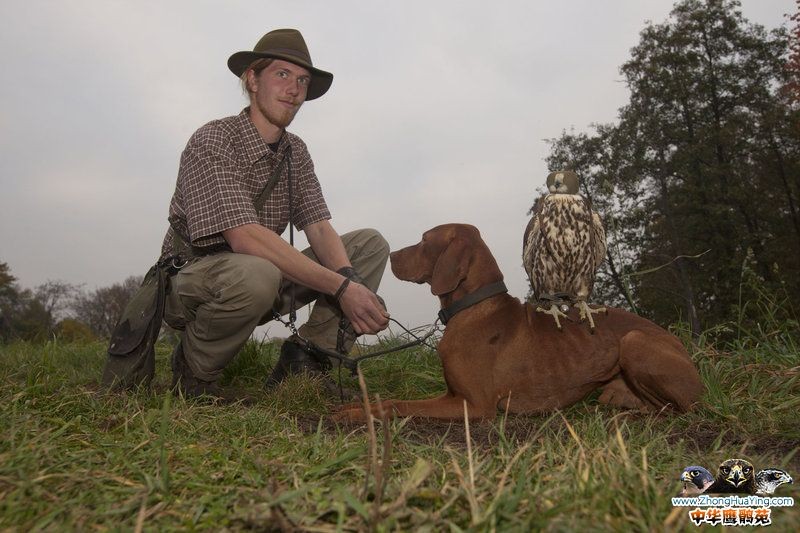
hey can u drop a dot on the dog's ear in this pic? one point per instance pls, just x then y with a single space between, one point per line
451 267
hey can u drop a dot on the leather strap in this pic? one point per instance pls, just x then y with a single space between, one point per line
487 291
259 200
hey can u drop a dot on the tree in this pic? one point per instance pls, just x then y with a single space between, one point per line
715 149
21 315
792 87
54 298
101 309
6 279
699 180
9 298
61 309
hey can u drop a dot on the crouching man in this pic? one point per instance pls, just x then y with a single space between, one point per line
241 181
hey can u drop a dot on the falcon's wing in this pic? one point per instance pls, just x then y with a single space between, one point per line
528 245
599 248
529 237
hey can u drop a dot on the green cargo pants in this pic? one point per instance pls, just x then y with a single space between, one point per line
218 300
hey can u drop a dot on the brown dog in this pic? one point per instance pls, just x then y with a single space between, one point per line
500 353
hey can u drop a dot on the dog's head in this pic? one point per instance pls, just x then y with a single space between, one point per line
449 257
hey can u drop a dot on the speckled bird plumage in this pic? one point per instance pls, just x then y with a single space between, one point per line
564 241
735 476
769 479
696 480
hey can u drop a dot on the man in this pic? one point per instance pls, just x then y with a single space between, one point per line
239 269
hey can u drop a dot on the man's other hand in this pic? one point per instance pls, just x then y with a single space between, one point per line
363 309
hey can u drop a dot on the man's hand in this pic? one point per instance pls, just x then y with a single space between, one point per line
363 309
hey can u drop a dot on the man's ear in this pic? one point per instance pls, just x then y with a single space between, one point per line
252 86
451 267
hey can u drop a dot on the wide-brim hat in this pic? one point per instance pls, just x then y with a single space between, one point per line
289 45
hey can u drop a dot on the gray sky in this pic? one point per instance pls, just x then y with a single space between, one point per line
438 113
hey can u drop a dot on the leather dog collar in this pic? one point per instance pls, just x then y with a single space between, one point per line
471 299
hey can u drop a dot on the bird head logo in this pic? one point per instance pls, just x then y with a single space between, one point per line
736 471
770 479
696 480
780 476
691 474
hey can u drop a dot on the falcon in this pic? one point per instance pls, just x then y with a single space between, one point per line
564 243
696 480
769 479
735 476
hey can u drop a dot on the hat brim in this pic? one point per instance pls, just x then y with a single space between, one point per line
320 80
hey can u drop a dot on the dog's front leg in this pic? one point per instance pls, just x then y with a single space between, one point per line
354 412
447 407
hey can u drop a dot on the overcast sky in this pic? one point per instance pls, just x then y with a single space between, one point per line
438 113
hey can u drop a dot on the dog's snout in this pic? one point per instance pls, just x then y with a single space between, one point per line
404 263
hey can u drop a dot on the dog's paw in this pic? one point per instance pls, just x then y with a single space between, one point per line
349 416
354 412
349 406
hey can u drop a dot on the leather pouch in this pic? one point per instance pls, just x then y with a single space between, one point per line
131 352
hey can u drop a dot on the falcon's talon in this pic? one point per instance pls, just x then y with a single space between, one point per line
555 312
586 313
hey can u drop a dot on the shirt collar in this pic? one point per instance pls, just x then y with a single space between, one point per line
255 147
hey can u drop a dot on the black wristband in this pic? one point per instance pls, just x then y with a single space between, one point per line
351 274
341 289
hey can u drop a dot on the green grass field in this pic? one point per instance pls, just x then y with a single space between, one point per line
73 457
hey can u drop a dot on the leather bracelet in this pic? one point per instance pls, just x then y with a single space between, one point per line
341 289
347 272
351 274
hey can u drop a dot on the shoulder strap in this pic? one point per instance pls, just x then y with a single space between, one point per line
180 242
259 200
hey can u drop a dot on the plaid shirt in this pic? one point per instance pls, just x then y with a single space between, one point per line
224 167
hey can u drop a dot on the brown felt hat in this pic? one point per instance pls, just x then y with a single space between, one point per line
289 45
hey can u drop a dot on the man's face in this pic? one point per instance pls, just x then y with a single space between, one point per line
278 91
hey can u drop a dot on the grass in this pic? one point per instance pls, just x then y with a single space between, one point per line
76 458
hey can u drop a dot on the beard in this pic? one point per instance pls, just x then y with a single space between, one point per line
277 114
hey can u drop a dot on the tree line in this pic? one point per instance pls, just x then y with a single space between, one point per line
60 309
698 180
